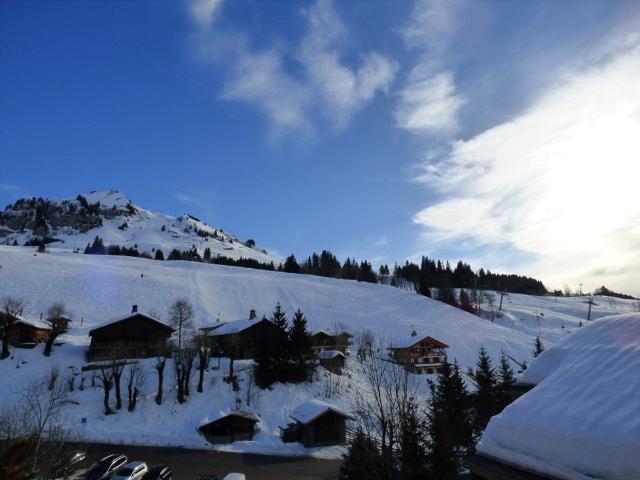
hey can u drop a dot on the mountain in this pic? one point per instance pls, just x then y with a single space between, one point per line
72 223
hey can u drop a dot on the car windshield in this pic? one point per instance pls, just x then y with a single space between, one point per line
125 471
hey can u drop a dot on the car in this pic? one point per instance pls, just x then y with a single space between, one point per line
105 468
159 472
209 477
67 463
131 471
234 476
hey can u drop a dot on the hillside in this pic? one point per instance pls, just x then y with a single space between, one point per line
75 222
98 288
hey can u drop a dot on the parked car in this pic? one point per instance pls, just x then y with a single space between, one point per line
235 476
159 472
67 463
131 471
209 477
105 468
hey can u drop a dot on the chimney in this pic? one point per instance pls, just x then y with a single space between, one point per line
414 333
252 314
134 308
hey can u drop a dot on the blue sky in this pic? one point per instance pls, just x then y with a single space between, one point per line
378 130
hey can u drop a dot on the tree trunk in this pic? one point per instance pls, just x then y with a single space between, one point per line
118 396
201 379
107 408
48 346
5 346
160 380
180 390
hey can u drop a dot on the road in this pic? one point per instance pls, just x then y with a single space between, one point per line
189 464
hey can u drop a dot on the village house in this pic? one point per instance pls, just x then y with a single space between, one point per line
419 354
238 339
332 360
234 426
23 331
322 341
316 423
135 335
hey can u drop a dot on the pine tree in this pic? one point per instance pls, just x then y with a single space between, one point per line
506 375
159 255
449 425
412 454
264 369
291 264
300 348
362 460
538 347
465 301
484 379
206 256
281 342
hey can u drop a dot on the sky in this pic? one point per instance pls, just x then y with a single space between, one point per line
506 134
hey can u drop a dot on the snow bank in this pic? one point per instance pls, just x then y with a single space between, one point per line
582 420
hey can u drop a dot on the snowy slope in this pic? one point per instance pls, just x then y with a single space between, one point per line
100 288
582 420
144 230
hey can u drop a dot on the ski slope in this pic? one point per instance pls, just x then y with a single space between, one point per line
96 289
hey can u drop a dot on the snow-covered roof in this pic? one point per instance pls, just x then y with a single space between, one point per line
310 410
32 323
413 339
235 326
214 417
332 333
330 354
582 419
213 325
129 315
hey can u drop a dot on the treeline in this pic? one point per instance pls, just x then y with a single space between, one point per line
327 265
610 293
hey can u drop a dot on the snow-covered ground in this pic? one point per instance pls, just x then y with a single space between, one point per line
146 230
98 288
582 420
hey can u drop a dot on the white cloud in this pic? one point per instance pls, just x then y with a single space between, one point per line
429 101
203 12
324 83
343 90
559 181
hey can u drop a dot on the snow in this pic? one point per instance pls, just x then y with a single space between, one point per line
99 288
129 315
328 354
225 413
308 411
234 326
582 420
410 340
145 232
32 323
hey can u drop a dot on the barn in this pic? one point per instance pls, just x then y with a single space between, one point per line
239 338
23 331
316 423
136 335
226 428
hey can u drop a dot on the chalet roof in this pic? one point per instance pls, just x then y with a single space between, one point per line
126 317
228 413
328 354
412 340
236 326
332 333
32 323
308 411
212 326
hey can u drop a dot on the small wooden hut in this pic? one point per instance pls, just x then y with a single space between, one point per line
316 424
234 426
322 341
23 331
239 338
332 360
133 336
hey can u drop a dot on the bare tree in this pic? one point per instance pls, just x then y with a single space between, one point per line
135 384
58 321
117 369
567 290
183 363
11 309
180 315
44 407
203 358
105 375
491 298
365 342
161 362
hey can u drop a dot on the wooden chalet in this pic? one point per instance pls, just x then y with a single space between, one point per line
419 354
316 424
489 468
23 332
239 338
332 360
133 336
234 426
322 341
